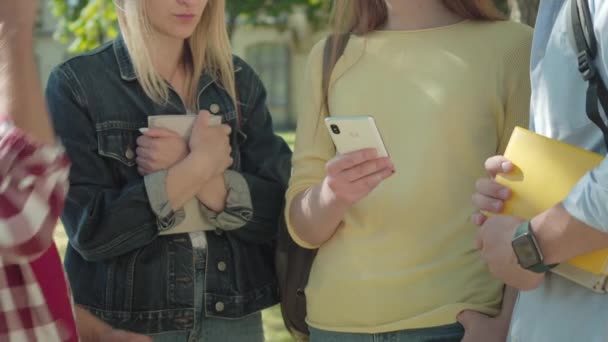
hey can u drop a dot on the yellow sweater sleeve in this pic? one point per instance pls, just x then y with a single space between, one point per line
516 96
313 147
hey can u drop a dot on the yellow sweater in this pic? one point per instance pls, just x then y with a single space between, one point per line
444 99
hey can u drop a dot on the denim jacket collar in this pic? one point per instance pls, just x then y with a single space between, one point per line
127 70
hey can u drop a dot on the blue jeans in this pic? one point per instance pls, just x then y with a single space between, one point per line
447 333
211 329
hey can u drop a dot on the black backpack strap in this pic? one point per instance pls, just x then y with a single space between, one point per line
586 45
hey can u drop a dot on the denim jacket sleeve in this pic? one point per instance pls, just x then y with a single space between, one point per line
238 199
156 188
265 161
103 219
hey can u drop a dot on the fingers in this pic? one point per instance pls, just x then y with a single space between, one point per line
486 203
490 196
203 118
498 164
373 180
145 164
144 153
156 132
478 218
490 188
145 141
367 168
229 162
350 160
227 129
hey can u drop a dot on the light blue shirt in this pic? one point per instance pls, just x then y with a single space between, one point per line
561 310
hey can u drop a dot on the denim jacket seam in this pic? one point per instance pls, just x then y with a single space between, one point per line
101 250
72 83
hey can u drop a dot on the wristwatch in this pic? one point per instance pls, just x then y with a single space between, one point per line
527 250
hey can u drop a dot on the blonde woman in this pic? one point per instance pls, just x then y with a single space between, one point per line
173 57
446 82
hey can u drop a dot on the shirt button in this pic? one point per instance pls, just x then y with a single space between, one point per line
218 232
219 306
221 266
129 153
214 108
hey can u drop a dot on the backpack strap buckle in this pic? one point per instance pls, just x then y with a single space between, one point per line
586 66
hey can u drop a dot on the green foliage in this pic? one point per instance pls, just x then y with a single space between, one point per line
85 24
275 12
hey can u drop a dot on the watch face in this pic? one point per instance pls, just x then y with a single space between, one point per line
525 250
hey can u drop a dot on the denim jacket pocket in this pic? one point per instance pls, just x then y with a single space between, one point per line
118 140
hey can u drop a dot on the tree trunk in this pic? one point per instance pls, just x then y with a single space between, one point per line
524 11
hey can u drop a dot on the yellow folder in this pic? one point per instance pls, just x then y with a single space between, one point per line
545 172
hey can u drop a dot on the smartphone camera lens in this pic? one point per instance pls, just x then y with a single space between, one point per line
335 129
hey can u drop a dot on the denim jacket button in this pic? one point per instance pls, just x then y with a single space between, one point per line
214 108
129 153
221 266
219 306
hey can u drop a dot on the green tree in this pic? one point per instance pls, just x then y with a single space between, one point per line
85 24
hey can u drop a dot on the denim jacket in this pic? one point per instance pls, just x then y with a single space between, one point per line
118 265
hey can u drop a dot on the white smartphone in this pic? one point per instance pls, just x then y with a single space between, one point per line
353 133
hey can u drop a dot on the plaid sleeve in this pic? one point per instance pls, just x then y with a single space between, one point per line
33 186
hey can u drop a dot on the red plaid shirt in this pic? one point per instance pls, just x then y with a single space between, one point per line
35 303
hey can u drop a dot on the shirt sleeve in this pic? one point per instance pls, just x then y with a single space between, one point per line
314 147
33 187
588 201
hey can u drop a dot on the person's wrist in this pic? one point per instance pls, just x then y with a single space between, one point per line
200 161
538 228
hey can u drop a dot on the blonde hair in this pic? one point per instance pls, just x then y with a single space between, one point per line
207 50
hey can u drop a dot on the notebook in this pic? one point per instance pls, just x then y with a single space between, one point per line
545 172
194 220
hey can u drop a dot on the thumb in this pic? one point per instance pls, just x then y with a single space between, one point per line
498 164
202 120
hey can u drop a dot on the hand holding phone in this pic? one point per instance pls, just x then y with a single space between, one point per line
353 133
362 163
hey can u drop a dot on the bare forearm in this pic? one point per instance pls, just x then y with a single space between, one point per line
89 327
20 90
563 237
213 194
184 180
316 214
